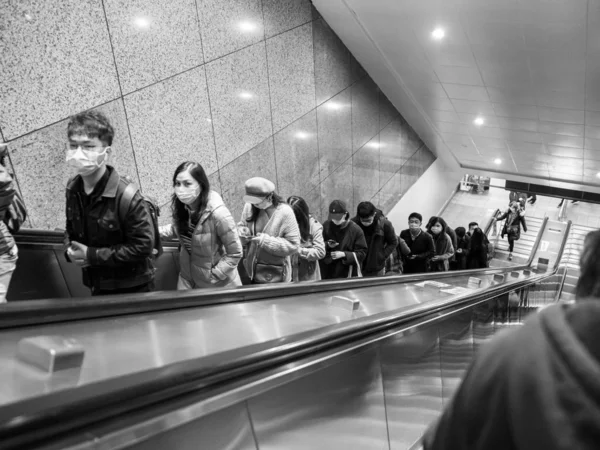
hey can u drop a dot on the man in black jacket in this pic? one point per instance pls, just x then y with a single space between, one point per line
380 236
420 244
113 248
345 244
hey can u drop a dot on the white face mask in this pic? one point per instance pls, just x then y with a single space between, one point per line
86 162
187 195
264 204
338 222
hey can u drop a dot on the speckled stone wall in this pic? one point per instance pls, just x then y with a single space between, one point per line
245 87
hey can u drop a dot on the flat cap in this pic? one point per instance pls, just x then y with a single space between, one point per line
257 189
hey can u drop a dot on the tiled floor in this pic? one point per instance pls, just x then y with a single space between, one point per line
469 206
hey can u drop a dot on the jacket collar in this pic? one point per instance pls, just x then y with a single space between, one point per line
110 190
214 201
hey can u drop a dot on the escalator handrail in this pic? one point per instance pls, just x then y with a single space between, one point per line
65 410
563 244
38 312
490 222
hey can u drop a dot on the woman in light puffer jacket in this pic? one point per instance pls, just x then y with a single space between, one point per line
210 246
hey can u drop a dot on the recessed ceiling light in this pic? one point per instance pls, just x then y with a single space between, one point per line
301 135
246 95
438 34
498 161
373 144
478 121
141 22
598 174
247 26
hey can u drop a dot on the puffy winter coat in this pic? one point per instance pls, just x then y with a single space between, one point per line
216 248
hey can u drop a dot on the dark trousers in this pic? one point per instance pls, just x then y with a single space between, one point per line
511 244
148 287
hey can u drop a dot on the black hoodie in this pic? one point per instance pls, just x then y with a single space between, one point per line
536 387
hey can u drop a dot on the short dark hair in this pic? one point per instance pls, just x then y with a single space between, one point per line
473 224
416 215
460 232
93 124
588 284
365 209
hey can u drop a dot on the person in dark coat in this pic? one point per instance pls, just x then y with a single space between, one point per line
512 227
462 249
345 244
444 250
537 387
477 256
420 244
380 236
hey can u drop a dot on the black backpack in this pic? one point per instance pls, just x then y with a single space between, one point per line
128 194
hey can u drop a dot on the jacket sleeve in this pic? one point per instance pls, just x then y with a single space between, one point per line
502 216
448 250
430 248
359 248
391 240
317 251
522 219
403 247
167 232
286 244
139 239
227 233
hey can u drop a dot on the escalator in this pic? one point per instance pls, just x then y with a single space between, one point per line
360 363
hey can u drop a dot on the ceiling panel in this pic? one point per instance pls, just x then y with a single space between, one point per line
561 115
455 74
529 68
466 92
560 128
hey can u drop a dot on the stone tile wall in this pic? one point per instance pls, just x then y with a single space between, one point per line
245 87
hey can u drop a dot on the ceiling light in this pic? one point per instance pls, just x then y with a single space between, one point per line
373 144
301 135
246 95
497 161
438 34
334 106
598 174
141 22
247 26
478 121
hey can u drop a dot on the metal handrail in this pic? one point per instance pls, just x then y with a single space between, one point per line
562 212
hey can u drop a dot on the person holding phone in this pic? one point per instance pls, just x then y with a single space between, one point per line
420 244
345 247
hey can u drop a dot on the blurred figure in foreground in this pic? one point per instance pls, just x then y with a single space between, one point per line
537 386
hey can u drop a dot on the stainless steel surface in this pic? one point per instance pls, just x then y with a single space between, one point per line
158 339
412 381
339 407
349 304
51 353
354 397
227 429
456 351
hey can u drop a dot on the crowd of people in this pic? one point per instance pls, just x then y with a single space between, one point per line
112 230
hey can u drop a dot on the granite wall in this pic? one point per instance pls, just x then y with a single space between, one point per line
245 87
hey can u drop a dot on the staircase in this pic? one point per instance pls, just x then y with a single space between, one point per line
523 246
570 260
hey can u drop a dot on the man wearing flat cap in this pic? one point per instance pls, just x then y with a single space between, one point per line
345 244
